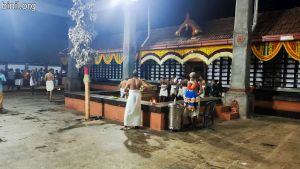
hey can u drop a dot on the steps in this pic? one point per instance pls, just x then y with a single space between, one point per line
224 113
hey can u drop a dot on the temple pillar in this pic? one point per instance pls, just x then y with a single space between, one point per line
72 82
129 41
240 73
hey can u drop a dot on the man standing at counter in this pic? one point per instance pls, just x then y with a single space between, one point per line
2 79
133 110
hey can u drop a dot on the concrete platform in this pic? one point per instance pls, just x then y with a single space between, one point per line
39 134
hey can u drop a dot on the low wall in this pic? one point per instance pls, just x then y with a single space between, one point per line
278 102
153 116
105 87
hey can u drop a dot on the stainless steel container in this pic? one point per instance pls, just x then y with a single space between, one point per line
175 116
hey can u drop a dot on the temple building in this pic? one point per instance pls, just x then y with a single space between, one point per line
207 49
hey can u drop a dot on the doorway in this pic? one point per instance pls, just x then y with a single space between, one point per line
200 68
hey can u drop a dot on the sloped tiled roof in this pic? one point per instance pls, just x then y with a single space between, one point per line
213 30
269 23
278 22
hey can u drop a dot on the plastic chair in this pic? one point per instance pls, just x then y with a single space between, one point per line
209 114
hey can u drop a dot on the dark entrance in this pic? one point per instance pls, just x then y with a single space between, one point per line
199 67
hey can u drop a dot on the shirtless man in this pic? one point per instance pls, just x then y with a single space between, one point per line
49 78
133 110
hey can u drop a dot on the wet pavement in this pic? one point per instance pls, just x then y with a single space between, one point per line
36 134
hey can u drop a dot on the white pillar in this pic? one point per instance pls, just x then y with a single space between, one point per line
240 73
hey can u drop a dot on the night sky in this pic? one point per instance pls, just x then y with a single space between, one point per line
42 34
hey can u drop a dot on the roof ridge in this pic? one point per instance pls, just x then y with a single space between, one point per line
280 10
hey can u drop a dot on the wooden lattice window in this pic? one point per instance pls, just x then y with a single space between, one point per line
150 70
220 70
282 71
112 71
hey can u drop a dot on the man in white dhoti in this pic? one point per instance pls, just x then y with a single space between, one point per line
49 78
133 110
33 80
163 93
173 83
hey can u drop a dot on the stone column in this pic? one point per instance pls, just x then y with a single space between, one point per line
240 73
129 41
72 83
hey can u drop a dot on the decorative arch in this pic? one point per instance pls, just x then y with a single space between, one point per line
293 49
198 56
107 58
266 51
205 54
160 61
219 55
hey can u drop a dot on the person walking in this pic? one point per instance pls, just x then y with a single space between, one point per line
49 78
2 80
33 80
41 76
10 79
18 79
56 76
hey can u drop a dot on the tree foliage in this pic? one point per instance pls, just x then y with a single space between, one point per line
82 34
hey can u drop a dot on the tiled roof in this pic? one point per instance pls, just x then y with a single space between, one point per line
278 22
213 30
269 23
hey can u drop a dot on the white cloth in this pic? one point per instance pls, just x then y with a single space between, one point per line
184 89
49 85
202 95
122 93
173 90
19 82
163 90
180 94
133 110
32 82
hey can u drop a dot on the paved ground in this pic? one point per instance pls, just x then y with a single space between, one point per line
36 134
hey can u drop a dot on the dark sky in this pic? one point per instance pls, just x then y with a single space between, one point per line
42 34
172 12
